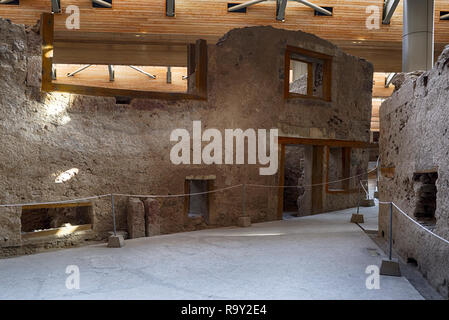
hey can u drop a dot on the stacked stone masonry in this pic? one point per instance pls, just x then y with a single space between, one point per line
125 149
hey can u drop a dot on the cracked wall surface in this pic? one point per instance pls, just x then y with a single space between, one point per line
414 140
126 148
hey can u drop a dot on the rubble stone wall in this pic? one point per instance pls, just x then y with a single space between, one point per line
120 148
414 149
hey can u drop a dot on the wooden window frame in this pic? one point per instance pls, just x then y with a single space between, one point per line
317 176
327 74
197 61
346 169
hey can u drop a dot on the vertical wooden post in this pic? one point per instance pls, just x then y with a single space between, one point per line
201 67
47 33
281 181
317 178
191 60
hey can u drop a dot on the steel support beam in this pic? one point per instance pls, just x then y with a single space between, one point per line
168 74
142 71
314 6
53 72
71 74
244 5
389 8
388 79
55 6
170 8
418 35
102 3
280 9
111 72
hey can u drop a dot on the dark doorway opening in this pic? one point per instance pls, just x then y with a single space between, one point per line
297 195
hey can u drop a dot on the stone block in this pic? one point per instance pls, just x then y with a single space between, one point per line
136 218
390 268
367 203
116 241
122 233
152 217
357 218
244 221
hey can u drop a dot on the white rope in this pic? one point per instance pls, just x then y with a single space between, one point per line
414 221
418 224
310 185
170 195
366 192
53 202
174 195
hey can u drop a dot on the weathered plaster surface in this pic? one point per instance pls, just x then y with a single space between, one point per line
126 148
415 138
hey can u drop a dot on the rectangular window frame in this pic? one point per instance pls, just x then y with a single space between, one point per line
327 74
346 169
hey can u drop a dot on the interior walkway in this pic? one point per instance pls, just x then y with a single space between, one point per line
315 257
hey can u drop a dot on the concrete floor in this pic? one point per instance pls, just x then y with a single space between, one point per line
315 257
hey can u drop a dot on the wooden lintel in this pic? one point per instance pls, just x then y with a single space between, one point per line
327 142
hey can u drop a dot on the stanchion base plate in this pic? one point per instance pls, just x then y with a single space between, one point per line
367 203
390 268
116 241
357 218
244 221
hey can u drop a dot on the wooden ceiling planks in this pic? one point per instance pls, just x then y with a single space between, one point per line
135 21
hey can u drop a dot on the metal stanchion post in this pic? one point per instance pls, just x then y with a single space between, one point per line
115 241
358 199
390 267
391 230
113 215
357 217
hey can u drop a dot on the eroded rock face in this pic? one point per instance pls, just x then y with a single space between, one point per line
414 139
136 218
152 217
126 148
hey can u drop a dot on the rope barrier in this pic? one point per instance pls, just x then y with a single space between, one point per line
175 195
53 202
310 185
413 220
220 190
170 195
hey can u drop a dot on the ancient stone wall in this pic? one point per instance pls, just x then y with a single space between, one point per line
118 148
414 150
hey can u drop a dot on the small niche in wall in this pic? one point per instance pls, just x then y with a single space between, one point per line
198 204
55 220
122 100
424 184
